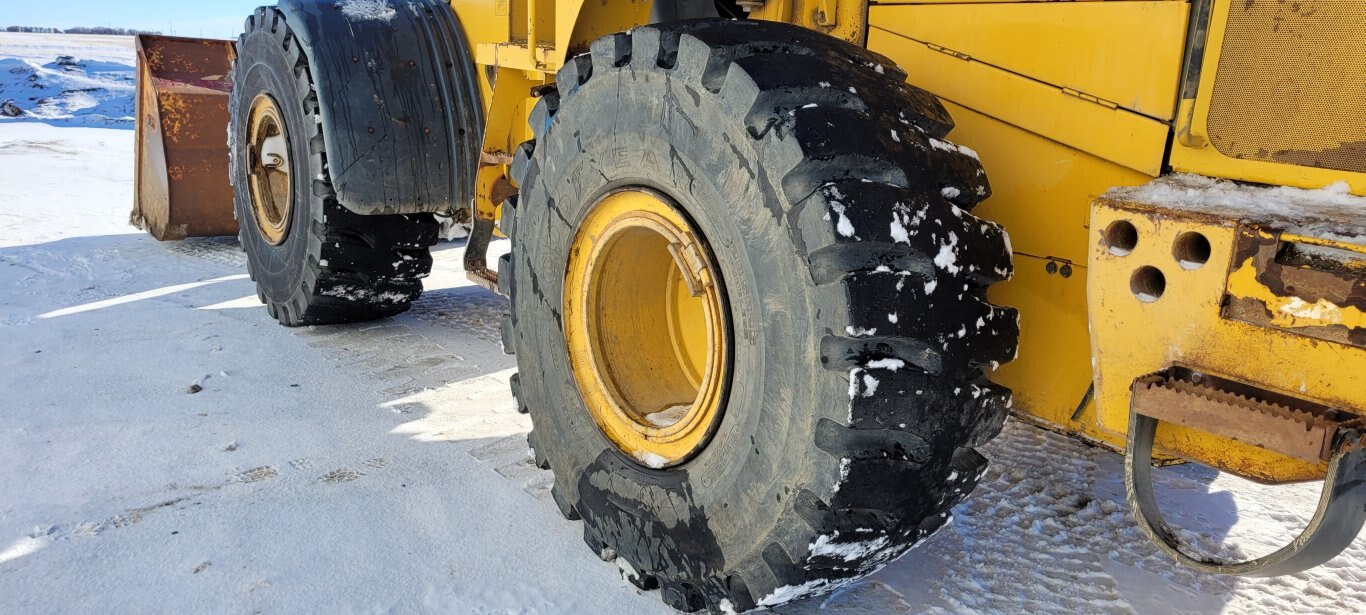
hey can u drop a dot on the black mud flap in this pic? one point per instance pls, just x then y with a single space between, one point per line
399 100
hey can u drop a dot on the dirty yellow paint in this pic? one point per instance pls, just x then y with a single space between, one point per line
1316 60
646 327
1184 326
1292 312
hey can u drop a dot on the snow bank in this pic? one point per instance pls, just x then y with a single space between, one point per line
67 90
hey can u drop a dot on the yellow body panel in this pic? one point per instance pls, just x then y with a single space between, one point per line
1111 133
1062 101
522 43
506 123
481 26
1041 187
894 2
537 35
1052 374
1041 192
1126 53
1024 85
505 128
1193 152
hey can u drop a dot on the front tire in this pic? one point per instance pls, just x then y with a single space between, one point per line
855 280
314 261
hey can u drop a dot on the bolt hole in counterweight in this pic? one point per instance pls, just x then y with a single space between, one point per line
1120 237
647 327
1148 283
1191 250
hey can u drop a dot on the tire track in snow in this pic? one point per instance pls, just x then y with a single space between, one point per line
408 359
1048 530
440 369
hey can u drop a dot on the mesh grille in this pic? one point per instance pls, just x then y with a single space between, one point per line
1291 84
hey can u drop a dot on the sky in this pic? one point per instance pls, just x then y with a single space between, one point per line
199 18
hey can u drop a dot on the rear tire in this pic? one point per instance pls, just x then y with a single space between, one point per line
856 284
333 265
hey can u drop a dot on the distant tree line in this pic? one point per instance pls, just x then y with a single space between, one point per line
95 30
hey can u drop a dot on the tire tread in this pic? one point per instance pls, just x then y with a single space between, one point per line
357 267
919 400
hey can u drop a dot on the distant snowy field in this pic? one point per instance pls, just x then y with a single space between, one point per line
68 80
382 467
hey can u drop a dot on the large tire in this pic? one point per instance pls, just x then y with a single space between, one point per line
333 265
856 285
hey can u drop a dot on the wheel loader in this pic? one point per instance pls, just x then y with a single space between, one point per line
779 267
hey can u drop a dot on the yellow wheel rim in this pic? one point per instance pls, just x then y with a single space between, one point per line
268 169
647 327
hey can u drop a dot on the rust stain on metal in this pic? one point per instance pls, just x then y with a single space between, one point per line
1271 284
1346 155
484 277
491 157
1301 430
501 190
181 183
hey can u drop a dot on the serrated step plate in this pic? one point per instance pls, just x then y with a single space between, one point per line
1273 421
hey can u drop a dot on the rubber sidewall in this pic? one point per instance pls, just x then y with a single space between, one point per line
685 147
279 269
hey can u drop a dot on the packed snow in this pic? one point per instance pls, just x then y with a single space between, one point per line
367 10
166 447
650 459
668 416
889 364
827 546
947 257
1331 211
953 147
844 226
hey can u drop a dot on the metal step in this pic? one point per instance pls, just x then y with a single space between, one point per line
1277 422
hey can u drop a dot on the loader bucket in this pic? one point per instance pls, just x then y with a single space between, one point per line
181 187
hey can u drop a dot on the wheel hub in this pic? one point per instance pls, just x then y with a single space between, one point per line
647 327
268 176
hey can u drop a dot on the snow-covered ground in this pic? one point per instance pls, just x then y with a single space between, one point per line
383 467
67 80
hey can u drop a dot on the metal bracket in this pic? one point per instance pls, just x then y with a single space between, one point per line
476 255
1336 522
690 262
826 14
946 51
1089 98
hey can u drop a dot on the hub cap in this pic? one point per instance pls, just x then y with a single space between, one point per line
268 175
647 327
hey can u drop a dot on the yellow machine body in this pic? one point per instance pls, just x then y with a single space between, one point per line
1303 348
1183 184
1064 101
